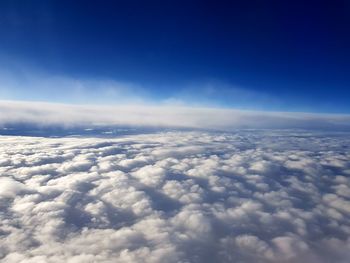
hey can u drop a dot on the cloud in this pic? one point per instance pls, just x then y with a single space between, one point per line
62 115
10 187
176 197
17 82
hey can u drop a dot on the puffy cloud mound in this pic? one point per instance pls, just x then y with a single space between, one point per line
248 196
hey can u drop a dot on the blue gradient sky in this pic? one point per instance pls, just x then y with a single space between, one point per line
264 55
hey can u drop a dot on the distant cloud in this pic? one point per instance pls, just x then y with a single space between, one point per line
21 83
253 196
162 116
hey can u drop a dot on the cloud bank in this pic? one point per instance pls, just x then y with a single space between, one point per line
47 114
253 196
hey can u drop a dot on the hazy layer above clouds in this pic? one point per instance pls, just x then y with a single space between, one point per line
248 197
47 114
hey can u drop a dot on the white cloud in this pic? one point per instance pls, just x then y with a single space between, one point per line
47 114
10 187
176 197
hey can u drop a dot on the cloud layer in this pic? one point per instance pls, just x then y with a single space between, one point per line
47 114
176 197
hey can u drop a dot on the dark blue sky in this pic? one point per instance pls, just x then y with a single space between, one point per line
272 55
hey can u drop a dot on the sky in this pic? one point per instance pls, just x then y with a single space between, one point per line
174 131
253 55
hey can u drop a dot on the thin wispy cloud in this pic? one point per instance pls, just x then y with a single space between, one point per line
38 85
162 116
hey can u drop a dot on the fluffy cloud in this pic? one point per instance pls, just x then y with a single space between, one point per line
248 196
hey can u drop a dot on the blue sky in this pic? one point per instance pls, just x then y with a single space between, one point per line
259 55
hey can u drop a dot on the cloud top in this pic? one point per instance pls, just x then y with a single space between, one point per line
176 197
